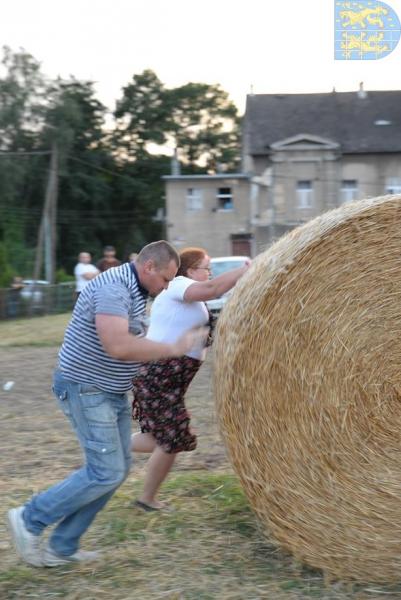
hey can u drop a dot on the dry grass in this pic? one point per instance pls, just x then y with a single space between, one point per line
42 331
209 548
308 382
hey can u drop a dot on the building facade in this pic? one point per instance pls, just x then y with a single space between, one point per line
302 154
214 212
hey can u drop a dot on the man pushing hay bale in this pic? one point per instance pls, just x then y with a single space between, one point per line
308 390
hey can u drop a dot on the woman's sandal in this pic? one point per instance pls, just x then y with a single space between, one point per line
146 507
149 508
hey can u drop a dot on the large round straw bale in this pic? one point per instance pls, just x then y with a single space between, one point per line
308 390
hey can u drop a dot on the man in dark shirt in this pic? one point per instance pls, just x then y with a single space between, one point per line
109 259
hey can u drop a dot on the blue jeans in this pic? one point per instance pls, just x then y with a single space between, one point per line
102 422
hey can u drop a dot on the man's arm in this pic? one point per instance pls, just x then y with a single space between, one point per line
81 270
90 274
118 343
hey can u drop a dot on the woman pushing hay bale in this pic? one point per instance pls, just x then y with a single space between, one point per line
308 389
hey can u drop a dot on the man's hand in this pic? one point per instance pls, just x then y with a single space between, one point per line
192 339
118 343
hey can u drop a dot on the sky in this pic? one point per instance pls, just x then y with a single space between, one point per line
263 46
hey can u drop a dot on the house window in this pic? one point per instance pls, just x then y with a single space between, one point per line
393 185
304 194
194 199
349 190
225 199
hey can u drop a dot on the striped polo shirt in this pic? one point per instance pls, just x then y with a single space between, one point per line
82 358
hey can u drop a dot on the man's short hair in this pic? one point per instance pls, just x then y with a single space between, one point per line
109 249
161 252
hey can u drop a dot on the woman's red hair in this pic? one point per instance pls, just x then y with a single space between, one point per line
190 258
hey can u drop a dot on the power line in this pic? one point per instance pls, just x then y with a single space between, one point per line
108 171
71 219
71 213
22 153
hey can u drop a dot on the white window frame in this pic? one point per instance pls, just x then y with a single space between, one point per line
223 197
393 185
194 199
349 190
304 194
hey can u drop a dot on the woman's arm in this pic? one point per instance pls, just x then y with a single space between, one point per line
214 288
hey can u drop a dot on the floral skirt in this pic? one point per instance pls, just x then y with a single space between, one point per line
159 406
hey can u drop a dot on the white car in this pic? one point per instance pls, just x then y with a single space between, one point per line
220 265
33 290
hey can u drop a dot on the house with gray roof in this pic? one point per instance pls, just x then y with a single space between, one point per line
302 154
321 150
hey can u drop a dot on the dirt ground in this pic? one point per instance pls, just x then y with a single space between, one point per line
38 448
36 441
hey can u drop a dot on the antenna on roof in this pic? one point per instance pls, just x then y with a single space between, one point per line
361 91
251 93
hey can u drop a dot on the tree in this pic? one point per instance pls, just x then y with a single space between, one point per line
198 119
110 187
141 115
204 125
102 200
75 121
6 272
22 107
23 93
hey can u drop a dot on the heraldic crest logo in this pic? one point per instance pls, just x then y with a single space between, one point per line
364 30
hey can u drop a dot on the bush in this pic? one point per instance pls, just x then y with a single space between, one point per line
62 276
6 272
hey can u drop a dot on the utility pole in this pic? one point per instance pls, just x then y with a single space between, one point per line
47 228
51 221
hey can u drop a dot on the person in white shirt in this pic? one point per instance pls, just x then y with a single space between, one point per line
160 387
84 271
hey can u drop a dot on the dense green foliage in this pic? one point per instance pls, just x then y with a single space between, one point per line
110 167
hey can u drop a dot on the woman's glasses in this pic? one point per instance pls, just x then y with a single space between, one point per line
203 268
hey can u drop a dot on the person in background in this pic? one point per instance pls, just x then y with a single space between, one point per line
14 297
84 271
97 361
109 259
160 386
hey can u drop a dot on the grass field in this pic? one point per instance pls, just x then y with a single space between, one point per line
39 331
209 547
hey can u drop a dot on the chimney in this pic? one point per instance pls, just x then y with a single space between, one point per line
361 92
175 165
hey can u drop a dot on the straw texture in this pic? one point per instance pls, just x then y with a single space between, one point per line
308 390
